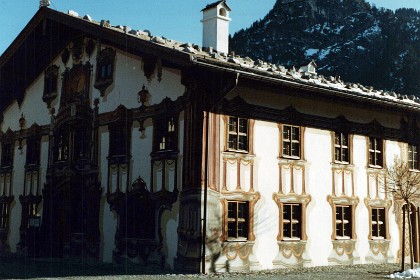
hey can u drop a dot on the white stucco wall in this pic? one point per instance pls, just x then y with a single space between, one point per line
318 184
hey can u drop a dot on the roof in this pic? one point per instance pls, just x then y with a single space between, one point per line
212 5
49 32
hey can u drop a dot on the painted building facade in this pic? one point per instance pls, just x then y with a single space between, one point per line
118 145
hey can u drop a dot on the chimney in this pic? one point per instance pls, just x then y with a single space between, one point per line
216 26
44 3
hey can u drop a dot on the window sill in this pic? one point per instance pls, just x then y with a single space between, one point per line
292 239
295 161
378 167
339 238
378 238
237 155
231 239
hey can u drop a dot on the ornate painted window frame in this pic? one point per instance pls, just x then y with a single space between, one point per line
349 146
105 68
252 198
250 136
343 200
303 200
301 142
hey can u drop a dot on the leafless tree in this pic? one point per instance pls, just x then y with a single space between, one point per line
403 184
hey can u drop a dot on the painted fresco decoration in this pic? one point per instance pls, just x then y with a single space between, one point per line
136 208
90 47
76 83
77 49
105 64
149 65
65 55
31 196
50 84
6 187
72 191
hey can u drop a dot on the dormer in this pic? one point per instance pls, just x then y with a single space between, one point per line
216 26
309 68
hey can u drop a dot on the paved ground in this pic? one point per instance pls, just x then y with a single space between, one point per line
12 267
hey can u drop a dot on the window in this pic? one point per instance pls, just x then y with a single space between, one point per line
166 135
62 146
375 152
50 84
238 219
32 152
104 69
238 134
292 221
7 155
341 148
4 216
343 222
378 223
291 141
412 157
118 139
82 141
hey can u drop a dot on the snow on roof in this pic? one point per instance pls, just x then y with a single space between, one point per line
260 67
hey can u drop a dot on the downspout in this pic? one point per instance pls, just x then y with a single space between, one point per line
206 121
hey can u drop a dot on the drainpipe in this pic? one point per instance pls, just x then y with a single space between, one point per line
206 121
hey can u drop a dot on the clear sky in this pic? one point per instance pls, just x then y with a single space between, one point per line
174 19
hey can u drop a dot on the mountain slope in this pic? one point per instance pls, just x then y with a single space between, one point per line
350 38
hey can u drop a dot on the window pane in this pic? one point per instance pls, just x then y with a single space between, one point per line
295 133
241 210
344 140
243 145
286 132
233 142
233 125
286 148
242 230
232 210
345 155
232 229
286 212
295 149
337 139
243 126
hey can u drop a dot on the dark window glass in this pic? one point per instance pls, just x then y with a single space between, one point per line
238 219
118 140
343 221
341 148
7 155
412 157
32 151
166 134
292 221
378 222
375 152
291 141
4 215
238 134
62 146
